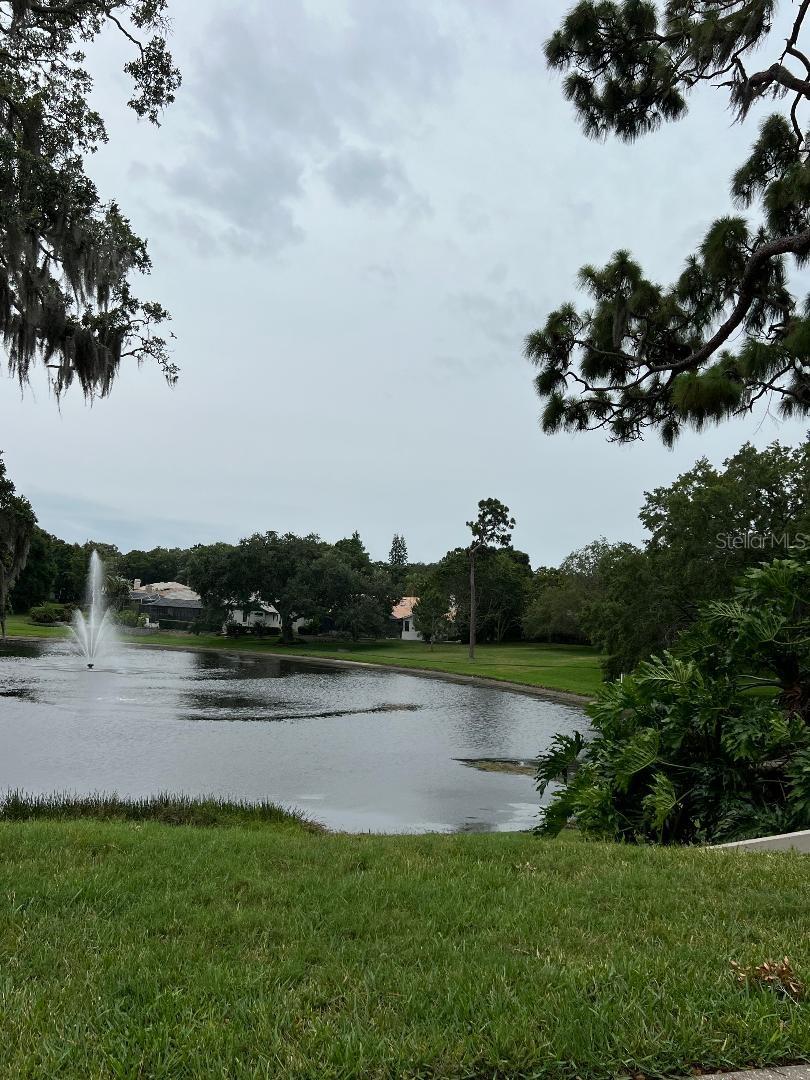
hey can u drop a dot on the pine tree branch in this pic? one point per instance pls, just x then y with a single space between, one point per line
797 25
799 244
782 76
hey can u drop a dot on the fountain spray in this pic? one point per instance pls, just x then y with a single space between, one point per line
95 631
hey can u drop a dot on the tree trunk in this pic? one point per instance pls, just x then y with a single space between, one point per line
3 594
472 603
286 625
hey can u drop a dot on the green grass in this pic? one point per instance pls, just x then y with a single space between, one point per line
558 667
21 626
571 668
165 809
137 949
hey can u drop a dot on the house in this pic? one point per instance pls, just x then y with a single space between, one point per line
264 615
167 604
403 615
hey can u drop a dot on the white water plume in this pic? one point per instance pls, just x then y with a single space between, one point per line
94 633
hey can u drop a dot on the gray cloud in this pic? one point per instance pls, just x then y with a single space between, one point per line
285 95
365 176
368 176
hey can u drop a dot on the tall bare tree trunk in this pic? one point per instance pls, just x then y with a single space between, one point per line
286 626
472 604
3 595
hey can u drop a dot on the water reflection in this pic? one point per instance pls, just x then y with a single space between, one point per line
356 749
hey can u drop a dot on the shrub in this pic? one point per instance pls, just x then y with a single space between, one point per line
708 743
236 630
130 617
209 622
49 614
174 624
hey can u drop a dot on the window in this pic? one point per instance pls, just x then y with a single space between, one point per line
407 626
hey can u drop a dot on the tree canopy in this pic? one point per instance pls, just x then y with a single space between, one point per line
704 529
647 355
17 524
559 596
492 528
67 257
398 555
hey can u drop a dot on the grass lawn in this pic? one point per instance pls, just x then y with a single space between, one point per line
558 667
21 626
138 949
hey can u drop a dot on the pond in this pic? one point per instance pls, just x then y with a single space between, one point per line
356 749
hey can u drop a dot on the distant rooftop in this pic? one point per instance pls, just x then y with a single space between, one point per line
165 590
404 609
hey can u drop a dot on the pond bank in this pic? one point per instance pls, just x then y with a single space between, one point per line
563 697
550 669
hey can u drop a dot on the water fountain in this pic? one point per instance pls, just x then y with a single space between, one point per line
94 632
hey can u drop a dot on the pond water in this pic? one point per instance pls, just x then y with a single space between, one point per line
356 749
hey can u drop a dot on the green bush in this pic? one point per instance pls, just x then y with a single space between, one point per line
708 743
130 617
49 614
175 624
209 622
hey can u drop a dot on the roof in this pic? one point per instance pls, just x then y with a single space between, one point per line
257 602
404 609
166 590
158 601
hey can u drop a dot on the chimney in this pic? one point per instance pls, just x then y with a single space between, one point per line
136 584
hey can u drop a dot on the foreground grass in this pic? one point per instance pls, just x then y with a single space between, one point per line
571 668
136 949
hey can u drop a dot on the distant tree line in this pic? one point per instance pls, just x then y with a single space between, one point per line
630 601
704 531
334 587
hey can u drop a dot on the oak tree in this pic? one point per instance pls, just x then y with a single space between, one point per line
67 256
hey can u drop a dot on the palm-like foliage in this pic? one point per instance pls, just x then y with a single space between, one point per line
709 742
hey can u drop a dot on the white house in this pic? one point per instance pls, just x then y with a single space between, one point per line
262 615
403 614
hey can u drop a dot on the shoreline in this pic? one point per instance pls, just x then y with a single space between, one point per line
561 697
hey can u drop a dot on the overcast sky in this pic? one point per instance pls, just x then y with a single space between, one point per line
357 210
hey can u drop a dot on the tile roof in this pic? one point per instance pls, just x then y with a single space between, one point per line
404 609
